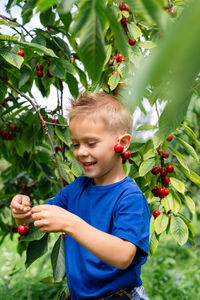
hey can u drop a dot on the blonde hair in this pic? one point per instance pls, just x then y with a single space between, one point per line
101 105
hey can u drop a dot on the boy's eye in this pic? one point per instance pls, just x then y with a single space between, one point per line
75 145
91 144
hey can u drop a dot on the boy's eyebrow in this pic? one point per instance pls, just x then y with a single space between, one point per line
86 138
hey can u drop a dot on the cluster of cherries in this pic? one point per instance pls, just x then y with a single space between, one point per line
39 68
119 148
163 178
9 132
124 22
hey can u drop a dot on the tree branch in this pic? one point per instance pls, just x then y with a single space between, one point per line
14 20
43 125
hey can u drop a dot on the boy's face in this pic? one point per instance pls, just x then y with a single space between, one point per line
93 147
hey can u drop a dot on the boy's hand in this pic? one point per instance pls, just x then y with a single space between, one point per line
52 218
20 208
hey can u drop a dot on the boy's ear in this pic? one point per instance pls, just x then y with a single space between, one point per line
125 140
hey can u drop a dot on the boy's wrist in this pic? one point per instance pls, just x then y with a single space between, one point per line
73 225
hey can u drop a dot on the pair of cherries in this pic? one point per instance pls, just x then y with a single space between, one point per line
119 148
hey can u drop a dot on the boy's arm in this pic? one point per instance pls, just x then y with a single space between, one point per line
111 249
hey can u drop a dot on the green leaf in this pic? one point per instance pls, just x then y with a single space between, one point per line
153 244
91 48
57 69
38 48
58 259
73 85
179 230
63 134
36 249
16 112
45 4
113 81
119 36
25 76
146 127
66 172
65 6
146 166
194 177
49 281
189 203
188 148
12 58
4 37
134 31
172 202
190 132
76 169
149 154
147 45
178 185
161 223
34 234
108 49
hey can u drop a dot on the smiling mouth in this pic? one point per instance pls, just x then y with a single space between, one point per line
87 164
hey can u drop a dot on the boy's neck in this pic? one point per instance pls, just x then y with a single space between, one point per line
112 178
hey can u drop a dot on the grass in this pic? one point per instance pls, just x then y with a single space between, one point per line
172 274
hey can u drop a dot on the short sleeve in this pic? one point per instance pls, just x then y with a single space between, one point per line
131 220
60 199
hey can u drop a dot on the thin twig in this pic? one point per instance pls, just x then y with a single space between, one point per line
14 20
56 124
43 125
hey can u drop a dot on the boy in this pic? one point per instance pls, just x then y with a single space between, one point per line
104 214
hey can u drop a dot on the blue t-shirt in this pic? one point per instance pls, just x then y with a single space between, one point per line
119 209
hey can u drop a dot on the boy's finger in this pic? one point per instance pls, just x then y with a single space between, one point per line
39 208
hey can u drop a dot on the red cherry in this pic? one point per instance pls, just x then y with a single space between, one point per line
119 148
21 53
49 74
170 137
165 154
126 154
166 192
161 191
23 229
172 12
163 172
170 168
40 73
156 213
166 180
122 59
123 7
159 151
62 236
115 72
53 120
124 21
155 170
155 191
131 42
13 128
39 67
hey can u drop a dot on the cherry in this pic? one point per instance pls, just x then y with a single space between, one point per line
118 148
161 191
155 191
115 72
62 236
159 151
13 128
23 229
123 7
163 172
124 21
170 168
40 73
172 12
49 74
122 59
166 192
39 67
156 213
165 154
170 137
131 42
53 120
126 154
21 53
166 180
155 170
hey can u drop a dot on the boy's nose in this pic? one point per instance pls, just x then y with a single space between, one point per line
82 151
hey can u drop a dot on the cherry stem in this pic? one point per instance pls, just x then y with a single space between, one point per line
43 125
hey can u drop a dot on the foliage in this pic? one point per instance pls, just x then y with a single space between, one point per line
137 53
